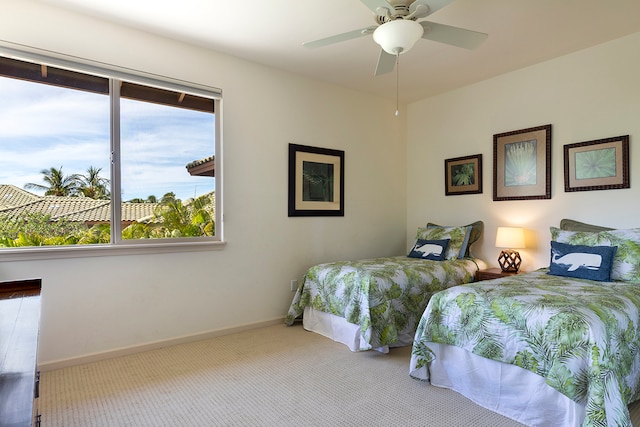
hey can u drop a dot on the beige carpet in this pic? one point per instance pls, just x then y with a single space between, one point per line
274 376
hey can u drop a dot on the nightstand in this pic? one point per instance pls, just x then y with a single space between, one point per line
492 273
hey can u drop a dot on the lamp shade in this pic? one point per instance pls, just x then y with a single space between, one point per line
398 36
510 237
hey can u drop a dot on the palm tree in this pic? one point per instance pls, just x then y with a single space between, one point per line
93 185
175 217
168 197
184 220
58 183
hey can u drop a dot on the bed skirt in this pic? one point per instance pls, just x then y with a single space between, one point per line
503 388
339 330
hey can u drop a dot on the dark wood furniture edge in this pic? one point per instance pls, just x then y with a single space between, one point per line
492 273
20 286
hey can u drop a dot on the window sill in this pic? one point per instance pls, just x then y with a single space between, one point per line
82 251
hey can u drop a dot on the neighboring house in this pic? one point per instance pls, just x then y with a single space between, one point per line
15 201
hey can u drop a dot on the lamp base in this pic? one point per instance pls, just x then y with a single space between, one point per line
509 260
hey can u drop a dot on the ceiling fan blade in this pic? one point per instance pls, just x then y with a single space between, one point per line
340 37
373 5
434 5
386 63
455 36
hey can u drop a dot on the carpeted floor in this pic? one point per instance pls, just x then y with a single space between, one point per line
273 376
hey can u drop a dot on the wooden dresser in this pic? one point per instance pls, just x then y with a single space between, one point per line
19 377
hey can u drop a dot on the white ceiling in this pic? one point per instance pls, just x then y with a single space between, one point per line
271 32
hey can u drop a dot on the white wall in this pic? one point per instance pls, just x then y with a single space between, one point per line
588 95
102 304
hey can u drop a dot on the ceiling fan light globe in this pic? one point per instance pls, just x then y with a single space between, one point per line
398 36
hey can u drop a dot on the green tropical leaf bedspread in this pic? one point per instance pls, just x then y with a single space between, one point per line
582 336
384 296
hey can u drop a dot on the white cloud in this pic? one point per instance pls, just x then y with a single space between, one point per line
43 126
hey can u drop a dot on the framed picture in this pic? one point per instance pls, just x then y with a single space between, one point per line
316 181
597 165
522 164
463 175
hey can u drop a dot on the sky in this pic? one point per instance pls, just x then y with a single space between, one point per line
44 126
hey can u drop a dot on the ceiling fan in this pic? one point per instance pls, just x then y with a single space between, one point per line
398 29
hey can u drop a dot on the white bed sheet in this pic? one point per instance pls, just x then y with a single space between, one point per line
338 329
506 389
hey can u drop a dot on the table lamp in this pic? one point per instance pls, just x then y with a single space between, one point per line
510 238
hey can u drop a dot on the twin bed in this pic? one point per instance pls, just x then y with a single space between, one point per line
557 346
377 303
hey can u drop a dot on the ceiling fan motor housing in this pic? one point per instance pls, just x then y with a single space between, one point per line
400 9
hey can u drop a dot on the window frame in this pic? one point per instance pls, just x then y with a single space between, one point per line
115 75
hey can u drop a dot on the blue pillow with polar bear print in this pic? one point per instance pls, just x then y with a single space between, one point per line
582 262
435 250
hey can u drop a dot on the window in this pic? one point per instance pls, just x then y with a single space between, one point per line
104 157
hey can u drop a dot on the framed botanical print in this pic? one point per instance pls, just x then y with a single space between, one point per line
522 164
463 175
602 164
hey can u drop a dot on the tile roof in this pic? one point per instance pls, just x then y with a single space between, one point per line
200 162
14 201
202 167
12 196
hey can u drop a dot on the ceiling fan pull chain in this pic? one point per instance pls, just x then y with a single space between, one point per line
397 81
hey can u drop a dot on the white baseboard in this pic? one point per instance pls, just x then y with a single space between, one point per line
95 357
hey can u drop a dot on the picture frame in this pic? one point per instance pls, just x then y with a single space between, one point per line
463 175
522 164
602 164
316 181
